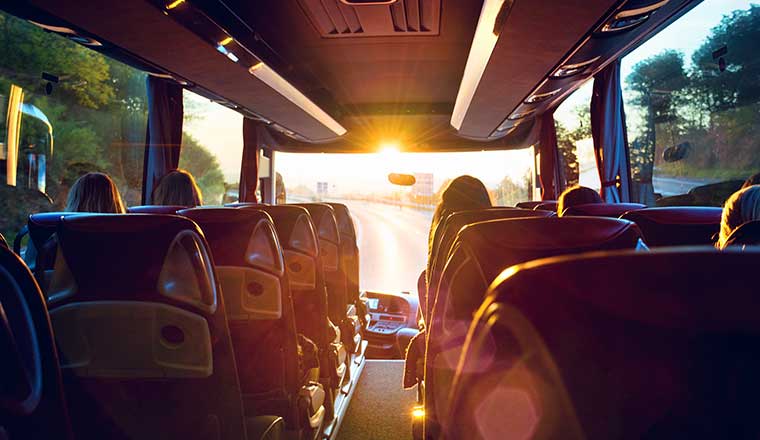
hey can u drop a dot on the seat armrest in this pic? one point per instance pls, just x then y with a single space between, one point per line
265 428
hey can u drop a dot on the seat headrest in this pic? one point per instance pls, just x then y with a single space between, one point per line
43 225
501 243
547 205
147 257
677 225
456 221
613 210
324 219
532 204
294 227
747 234
345 222
155 209
239 237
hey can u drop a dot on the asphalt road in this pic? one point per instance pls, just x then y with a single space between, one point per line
392 245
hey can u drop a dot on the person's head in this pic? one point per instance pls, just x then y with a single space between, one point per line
462 193
576 195
177 187
94 192
751 180
743 206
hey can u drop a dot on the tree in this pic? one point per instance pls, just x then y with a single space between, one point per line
204 166
566 144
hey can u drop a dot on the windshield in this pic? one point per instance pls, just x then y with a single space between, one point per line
393 222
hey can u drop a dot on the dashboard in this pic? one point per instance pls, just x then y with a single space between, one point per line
389 313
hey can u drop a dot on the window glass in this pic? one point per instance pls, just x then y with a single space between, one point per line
574 141
692 101
67 110
392 221
212 148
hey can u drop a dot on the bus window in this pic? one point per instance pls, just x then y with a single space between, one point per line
692 103
67 110
392 221
212 146
574 141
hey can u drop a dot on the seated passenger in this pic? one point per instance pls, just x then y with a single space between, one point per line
462 194
95 192
576 195
743 206
177 187
751 180
92 192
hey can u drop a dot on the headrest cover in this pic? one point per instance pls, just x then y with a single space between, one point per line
345 222
137 257
240 237
294 227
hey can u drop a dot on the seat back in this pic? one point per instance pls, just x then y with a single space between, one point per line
747 234
613 210
251 271
612 345
677 225
480 253
295 232
349 251
155 209
532 204
328 237
446 233
142 330
32 405
41 249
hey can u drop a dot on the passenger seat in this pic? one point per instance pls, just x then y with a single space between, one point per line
251 270
32 404
155 209
677 225
613 345
613 210
142 330
480 253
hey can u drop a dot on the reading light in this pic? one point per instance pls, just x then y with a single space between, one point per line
480 52
515 116
541 97
632 17
568 70
223 50
174 4
292 94
226 41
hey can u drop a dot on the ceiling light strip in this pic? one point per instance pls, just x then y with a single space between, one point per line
483 44
271 78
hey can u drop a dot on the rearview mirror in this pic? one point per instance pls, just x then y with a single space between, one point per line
676 153
402 179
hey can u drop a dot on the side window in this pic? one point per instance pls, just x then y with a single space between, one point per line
212 146
692 104
576 146
67 110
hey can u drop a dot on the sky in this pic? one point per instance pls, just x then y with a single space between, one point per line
220 129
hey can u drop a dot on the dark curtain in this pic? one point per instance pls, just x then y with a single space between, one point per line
249 170
549 163
164 133
609 132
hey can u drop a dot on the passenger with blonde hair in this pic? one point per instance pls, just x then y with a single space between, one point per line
95 192
743 206
576 195
177 187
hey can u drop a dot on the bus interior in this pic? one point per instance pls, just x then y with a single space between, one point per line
317 288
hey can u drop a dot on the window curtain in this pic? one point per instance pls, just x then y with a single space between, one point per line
609 132
249 170
163 139
549 163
